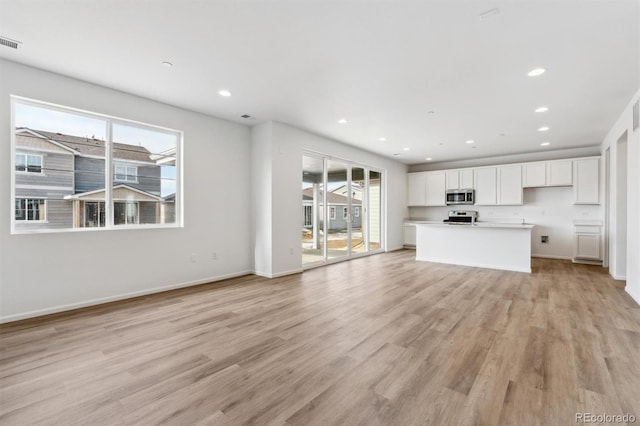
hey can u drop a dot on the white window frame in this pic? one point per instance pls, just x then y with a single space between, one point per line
26 210
109 161
332 212
26 163
127 173
356 211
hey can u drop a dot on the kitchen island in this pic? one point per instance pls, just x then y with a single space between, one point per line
503 246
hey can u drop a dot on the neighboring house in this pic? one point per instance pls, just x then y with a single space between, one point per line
60 183
338 210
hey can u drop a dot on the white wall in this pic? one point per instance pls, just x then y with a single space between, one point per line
261 203
623 124
620 187
286 150
41 273
550 209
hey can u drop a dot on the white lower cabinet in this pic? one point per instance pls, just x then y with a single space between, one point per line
587 243
410 235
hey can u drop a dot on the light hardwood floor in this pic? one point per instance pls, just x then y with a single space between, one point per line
381 340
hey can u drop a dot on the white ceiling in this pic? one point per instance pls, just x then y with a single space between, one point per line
382 65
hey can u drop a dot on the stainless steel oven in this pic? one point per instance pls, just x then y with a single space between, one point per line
460 196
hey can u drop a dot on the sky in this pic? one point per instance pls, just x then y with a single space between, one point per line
37 118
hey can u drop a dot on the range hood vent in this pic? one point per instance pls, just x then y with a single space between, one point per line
9 43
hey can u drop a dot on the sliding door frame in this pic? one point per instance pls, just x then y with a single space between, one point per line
364 212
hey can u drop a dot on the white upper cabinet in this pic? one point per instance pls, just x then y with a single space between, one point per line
436 193
535 175
459 179
560 173
486 180
466 179
548 173
417 189
453 179
586 181
510 185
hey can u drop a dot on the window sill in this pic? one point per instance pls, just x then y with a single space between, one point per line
93 229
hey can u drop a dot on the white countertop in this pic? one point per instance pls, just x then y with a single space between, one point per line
480 225
475 225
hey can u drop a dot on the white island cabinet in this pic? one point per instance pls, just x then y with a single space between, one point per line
486 245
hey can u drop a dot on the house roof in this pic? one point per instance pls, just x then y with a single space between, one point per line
95 147
120 193
307 194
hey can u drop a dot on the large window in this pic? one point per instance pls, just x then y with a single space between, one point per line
94 171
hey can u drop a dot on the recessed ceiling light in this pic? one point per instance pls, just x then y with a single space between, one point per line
342 121
396 154
405 149
382 139
542 109
167 64
543 129
545 143
431 112
428 158
536 72
224 93
470 141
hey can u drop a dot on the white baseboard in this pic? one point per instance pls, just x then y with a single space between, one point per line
635 297
102 300
551 256
618 277
395 248
279 274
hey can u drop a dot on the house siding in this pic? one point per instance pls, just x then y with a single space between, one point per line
90 176
57 170
59 216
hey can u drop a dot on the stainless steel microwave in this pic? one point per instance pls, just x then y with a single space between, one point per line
460 196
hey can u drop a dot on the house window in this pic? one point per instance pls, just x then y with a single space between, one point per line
28 163
30 209
125 173
102 171
344 213
332 213
357 212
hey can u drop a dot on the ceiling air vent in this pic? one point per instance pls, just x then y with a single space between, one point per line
247 117
9 43
636 115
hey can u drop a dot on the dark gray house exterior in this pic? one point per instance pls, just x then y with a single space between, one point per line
60 183
338 210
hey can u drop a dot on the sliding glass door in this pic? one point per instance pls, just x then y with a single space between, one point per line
346 220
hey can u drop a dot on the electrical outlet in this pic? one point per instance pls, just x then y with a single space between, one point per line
214 255
291 251
544 239
193 258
